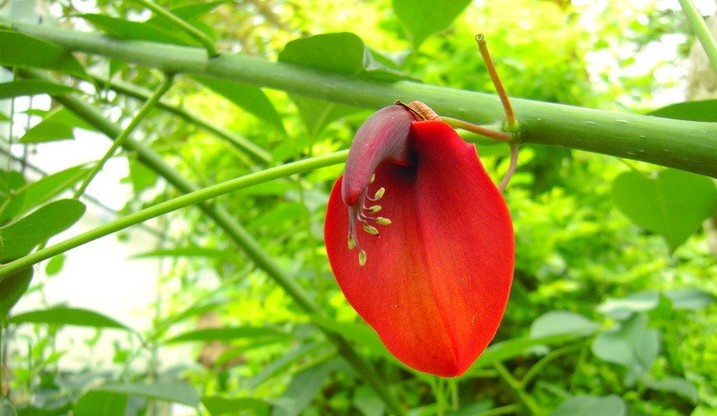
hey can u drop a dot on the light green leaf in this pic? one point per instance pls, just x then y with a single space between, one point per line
247 97
632 345
562 322
226 334
55 264
25 87
302 388
367 401
118 393
423 18
62 315
677 385
691 110
18 238
28 52
586 405
673 204
48 131
100 403
219 406
11 290
125 29
282 364
6 408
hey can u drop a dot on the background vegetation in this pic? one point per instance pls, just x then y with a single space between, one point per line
612 310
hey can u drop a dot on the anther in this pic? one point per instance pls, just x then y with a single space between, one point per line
379 194
362 258
370 229
373 178
352 242
383 221
373 209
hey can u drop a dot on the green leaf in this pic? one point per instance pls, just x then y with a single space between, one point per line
562 322
47 131
632 345
673 204
100 403
366 400
342 53
62 315
10 182
11 290
677 385
623 308
28 52
423 18
302 389
219 406
186 252
225 334
691 110
585 405
247 97
26 87
55 264
18 238
6 408
37 193
126 29
282 364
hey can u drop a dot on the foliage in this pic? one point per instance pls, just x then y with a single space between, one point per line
612 309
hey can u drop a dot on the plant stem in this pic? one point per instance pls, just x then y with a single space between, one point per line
197 34
680 144
485 54
193 198
483 131
518 389
120 140
699 26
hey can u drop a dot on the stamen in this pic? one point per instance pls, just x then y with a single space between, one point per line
362 258
370 229
383 221
360 213
352 242
373 209
379 194
373 178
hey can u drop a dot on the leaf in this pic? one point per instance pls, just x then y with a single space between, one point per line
282 364
61 315
6 408
366 400
18 238
126 29
423 18
673 204
218 406
186 252
28 52
632 345
55 264
677 385
705 110
302 388
585 405
26 87
99 403
623 308
11 290
47 131
225 334
10 182
342 53
562 322
249 98
37 193
689 298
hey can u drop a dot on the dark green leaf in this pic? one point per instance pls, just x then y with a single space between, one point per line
691 110
125 29
247 97
562 322
218 406
676 385
18 238
302 389
28 52
673 204
11 290
62 315
32 87
423 18
225 334
100 403
585 405
37 193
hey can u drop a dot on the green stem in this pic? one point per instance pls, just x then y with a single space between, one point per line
675 143
193 198
517 387
699 26
120 140
197 34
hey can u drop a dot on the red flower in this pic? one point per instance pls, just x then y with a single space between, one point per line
430 251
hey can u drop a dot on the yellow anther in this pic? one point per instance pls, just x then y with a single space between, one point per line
383 221
370 229
362 258
352 242
379 193
373 178
373 209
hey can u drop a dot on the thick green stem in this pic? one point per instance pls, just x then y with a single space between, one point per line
675 143
119 141
699 26
197 34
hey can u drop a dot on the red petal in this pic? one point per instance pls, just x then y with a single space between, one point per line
437 280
